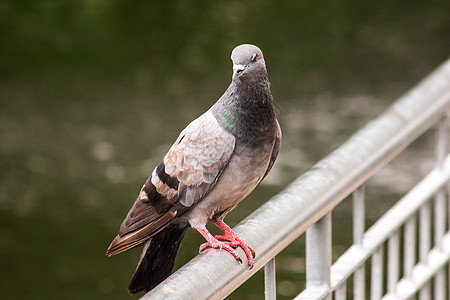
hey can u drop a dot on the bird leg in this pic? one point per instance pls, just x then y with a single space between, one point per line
212 242
231 239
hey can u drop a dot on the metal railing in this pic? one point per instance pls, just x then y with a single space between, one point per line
306 205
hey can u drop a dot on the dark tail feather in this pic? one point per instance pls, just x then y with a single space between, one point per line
157 258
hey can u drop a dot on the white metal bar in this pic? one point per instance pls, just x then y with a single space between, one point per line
270 280
439 200
441 141
318 253
424 232
358 214
439 285
316 193
341 292
424 245
393 252
409 246
440 206
359 278
359 283
439 216
376 286
314 292
425 291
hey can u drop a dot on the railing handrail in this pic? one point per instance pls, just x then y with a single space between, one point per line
311 196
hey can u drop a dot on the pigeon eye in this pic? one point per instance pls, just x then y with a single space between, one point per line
254 57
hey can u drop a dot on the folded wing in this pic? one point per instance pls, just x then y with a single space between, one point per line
188 172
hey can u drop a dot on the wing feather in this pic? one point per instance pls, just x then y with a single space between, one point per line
276 149
188 172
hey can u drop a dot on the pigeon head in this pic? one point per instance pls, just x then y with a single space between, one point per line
248 61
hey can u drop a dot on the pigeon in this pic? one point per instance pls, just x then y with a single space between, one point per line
216 161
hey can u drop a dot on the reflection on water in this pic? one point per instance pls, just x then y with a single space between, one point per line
93 93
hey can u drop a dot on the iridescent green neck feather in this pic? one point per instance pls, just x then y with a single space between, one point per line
247 111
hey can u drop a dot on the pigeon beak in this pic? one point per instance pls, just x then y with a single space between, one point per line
238 68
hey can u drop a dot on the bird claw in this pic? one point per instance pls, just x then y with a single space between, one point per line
221 245
229 241
234 242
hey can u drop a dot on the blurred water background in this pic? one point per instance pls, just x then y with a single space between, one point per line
93 93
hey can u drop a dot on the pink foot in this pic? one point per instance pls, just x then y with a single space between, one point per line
212 242
233 240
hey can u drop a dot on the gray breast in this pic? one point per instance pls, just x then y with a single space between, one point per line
245 170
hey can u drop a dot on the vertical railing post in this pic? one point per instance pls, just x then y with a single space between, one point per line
270 280
318 253
358 215
409 246
439 204
376 289
424 245
341 292
359 289
393 261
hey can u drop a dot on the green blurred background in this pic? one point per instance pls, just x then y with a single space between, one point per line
93 93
